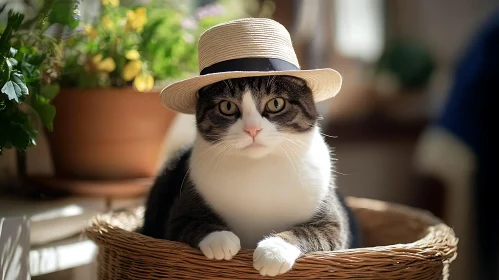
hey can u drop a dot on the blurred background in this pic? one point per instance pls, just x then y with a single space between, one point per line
408 125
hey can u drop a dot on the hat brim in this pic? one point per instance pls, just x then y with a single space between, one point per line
181 96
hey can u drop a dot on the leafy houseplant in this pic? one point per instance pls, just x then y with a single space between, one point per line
136 45
110 124
404 66
29 63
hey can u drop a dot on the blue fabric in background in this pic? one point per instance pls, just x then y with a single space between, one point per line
468 114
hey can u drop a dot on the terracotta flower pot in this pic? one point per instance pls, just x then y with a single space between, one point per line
108 134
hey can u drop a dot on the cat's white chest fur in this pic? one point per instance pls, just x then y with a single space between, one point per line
258 196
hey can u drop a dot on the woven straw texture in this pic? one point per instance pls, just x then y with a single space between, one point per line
247 37
242 38
424 249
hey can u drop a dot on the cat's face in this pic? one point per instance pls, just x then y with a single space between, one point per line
255 116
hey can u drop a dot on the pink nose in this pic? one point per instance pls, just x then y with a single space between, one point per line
252 130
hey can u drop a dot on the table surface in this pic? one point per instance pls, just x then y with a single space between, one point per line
72 249
56 256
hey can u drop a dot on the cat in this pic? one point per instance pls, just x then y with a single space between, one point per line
258 176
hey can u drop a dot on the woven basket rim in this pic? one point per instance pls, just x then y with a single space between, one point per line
131 255
438 236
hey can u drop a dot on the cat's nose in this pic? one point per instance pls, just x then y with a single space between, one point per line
253 130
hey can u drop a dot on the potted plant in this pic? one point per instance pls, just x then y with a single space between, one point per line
110 124
30 56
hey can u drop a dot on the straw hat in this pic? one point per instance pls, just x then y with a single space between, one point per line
245 48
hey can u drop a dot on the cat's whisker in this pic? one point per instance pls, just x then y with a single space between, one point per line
223 149
297 142
222 157
292 149
291 161
323 134
183 180
296 147
297 153
217 145
330 136
222 138
289 137
344 174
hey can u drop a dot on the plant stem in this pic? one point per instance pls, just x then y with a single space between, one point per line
13 23
21 164
41 16
5 39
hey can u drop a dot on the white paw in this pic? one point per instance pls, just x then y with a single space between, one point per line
274 256
220 245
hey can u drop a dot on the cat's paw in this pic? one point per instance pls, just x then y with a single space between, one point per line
220 245
274 256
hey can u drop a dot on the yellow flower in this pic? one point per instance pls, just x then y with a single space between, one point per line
90 32
107 23
143 82
106 65
131 70
132 55
136 19
114 3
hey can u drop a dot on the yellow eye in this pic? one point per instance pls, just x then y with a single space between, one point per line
228 108
275 105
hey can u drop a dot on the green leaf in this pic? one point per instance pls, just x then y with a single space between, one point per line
149 31
31 73
26 50
6 69
28 127
12 90
18 79
8 61
35 59
12 62
19 137
45 110
13 52
63 12
50 91
15 89
15 19
16 127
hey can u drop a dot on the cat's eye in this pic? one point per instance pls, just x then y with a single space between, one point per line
275 105
228 108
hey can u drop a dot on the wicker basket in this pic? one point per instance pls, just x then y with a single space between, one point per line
424 249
